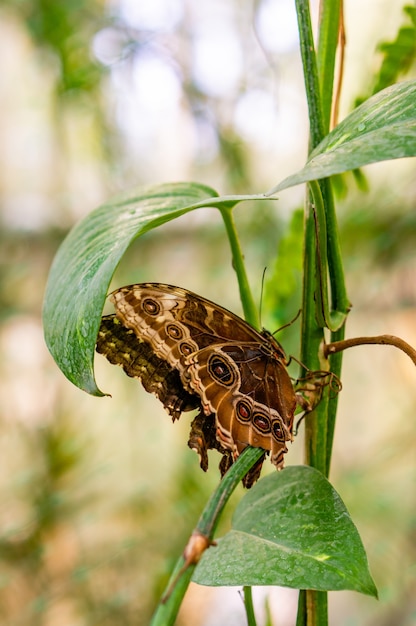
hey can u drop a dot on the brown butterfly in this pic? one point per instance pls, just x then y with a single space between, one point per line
192 354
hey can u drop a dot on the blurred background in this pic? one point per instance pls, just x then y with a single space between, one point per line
98 496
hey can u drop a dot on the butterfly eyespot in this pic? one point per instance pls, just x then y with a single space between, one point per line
174 331
278 432
261 422
220 370
186 348
150 306
243 411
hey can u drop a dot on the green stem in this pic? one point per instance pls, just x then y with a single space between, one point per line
310 72
301 614
248 603
312 334
335 318
251 312
336 366
168 607
312 609
316 608
327 237
312 337
312 331
328 37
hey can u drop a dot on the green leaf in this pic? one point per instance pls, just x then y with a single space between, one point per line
85 262
292 529
382 128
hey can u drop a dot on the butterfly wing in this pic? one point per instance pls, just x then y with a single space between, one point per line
238 373
250 393
121 346
176 322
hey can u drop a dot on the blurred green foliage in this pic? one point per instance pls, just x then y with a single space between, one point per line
397 57
65 31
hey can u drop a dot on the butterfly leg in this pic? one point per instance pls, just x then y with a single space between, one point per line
309 389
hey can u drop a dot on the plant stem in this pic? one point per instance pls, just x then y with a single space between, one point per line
329 20
251 312
386 340
301 614
333 318
312 608
168 606
329 25
312 334
248 603
312 331
310 72
316 608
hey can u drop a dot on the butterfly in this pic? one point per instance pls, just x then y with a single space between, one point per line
194 354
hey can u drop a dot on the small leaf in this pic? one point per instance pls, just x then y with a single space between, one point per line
292 529
85 262
382 128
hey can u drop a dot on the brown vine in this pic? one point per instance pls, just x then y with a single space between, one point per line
391 340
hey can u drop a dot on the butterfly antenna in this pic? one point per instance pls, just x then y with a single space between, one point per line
289 323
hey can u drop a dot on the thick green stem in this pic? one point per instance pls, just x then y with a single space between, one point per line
333 318
312 330
301 614
310 72
248 602
328 37
321 247
316 608
203 534
326 229
312 337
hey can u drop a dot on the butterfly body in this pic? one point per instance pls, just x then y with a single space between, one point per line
202 355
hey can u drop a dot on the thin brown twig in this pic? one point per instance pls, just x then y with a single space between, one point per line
391 340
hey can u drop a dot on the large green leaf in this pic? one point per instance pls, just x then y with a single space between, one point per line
292 529
85 262
382 128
